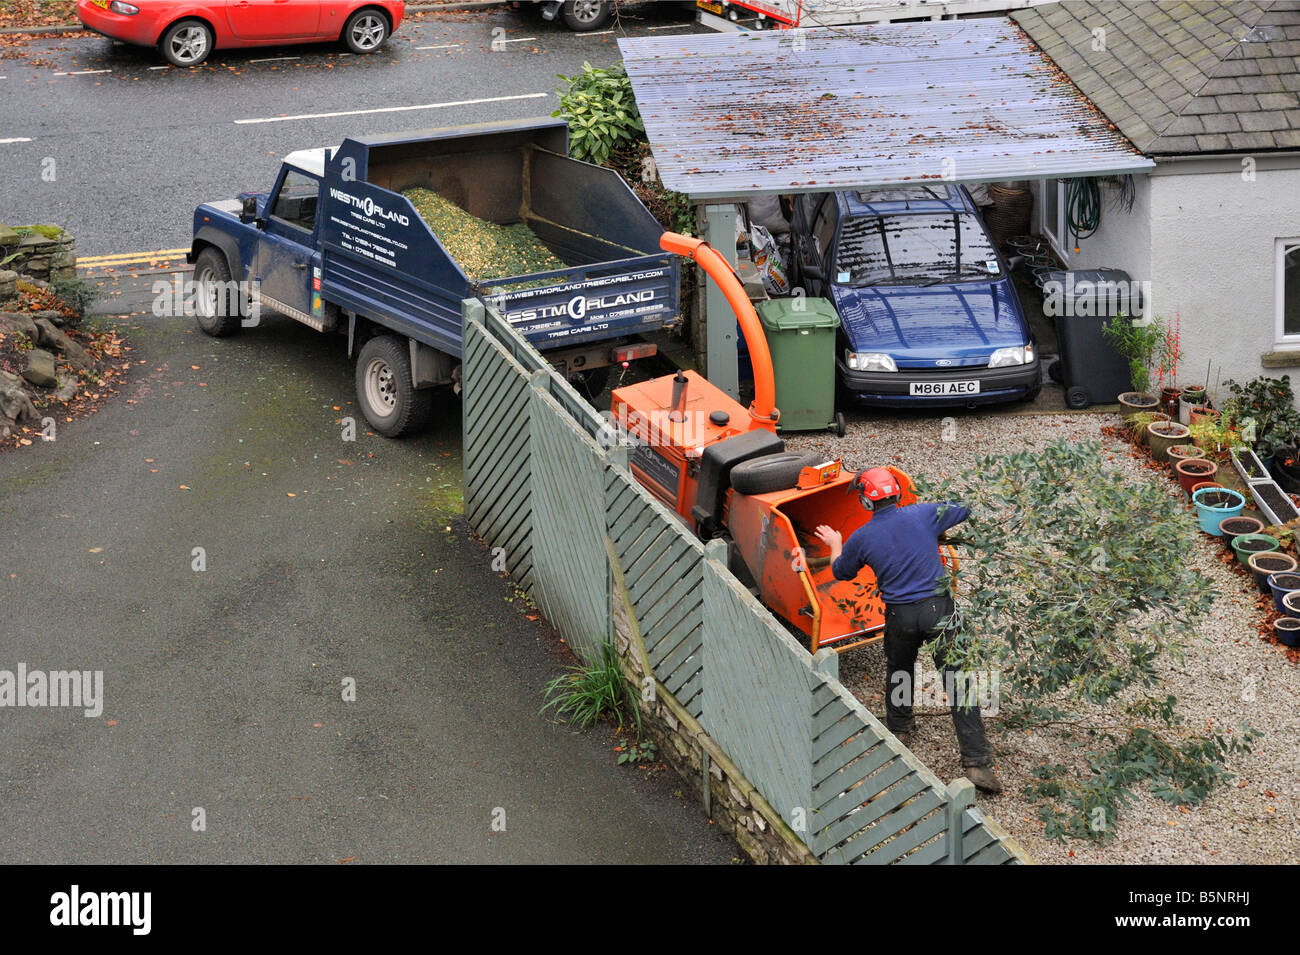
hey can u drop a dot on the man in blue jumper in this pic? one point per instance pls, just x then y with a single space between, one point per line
901 546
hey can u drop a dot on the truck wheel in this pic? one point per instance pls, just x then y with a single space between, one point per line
582 16
186 43
365 31
393 406
771 472
214 296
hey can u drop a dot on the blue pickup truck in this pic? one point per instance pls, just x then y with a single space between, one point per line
335 245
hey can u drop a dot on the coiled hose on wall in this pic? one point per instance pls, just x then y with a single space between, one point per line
1082 208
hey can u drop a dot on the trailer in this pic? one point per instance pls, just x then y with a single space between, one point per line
336 245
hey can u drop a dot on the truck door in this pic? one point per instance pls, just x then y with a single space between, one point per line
273 19
287 265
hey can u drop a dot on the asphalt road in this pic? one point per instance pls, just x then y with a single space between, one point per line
223 687
106 140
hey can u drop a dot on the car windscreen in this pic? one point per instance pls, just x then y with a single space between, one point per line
913 249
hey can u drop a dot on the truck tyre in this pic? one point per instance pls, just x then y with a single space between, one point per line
582 16
771 472
213 297
393 406
365 31
186 43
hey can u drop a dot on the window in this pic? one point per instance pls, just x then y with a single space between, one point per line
1288 291
296 201
904 249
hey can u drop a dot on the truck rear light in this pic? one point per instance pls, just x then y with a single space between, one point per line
633 352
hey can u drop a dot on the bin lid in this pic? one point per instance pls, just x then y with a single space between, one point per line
797 313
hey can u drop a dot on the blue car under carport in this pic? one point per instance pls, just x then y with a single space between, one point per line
928 312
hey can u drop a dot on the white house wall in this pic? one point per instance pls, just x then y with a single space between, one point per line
1213 260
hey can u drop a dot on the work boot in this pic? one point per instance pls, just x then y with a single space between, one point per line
984 778
905 733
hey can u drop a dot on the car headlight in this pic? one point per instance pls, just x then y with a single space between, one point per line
117 6
869 361
1019 355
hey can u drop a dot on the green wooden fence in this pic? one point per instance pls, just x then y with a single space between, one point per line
546 482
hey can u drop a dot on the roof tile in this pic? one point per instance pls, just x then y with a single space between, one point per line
1221 123
1251 140
1258 122
1278 101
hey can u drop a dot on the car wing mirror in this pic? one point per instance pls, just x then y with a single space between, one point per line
249 211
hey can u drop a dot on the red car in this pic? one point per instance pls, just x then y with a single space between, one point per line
186 32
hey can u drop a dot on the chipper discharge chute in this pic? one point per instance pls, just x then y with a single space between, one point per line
723 470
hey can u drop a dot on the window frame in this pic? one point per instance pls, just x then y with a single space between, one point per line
1281 247
290 223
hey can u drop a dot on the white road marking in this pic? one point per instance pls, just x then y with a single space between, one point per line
389 109
160 67
523 39
440 46
83 72
16 139
672 26
598 32
272 59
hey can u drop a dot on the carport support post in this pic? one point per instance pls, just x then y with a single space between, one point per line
719 321
961 796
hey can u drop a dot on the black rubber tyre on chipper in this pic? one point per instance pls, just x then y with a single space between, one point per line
771 472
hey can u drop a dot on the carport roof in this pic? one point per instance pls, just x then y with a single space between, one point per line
739 114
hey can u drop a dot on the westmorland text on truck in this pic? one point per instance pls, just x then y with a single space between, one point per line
335 245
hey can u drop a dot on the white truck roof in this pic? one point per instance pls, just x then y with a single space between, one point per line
311 160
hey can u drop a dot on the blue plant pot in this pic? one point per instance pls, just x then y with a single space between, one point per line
1281 585
1210 516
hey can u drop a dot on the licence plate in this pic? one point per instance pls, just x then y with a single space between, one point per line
711 7
943 389
101 3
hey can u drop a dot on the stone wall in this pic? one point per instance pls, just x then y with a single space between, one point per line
729 799
43 252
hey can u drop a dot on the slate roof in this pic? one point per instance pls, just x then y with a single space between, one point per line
1182 77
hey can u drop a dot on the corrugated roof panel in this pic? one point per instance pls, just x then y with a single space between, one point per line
810 110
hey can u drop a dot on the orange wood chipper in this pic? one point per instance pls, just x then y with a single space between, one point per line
722 468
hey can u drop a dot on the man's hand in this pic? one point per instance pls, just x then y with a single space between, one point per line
832 539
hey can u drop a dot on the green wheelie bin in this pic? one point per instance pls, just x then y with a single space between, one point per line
801 336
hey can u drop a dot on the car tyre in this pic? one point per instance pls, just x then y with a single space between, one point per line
583 16
771 472
186 43
211 308
365 31
389 400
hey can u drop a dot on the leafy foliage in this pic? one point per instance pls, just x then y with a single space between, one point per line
1079 590
589 691
75 296
1264 410
601 111
1146 345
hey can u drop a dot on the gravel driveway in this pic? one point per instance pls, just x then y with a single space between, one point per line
1252 819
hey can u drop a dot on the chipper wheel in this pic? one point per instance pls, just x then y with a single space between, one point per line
772 472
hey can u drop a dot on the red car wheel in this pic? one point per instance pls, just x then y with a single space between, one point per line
186 43
366 31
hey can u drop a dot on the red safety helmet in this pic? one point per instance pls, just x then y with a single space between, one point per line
876 484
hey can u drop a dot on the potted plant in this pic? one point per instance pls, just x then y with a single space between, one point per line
1192 471
1183 452
1162 435
1138 342
1234 525
1280 585
1244 545
1287 631
1218 507
1263 410
1265 564
1192 397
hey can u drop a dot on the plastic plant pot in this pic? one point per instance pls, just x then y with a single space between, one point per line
1135 402
1280 585
1202 485
1217 505
1247 544
1163 435
1268 563
1287 631
1236 525
1190 471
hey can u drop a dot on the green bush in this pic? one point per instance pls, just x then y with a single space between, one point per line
1077 587
76 295
601 111
589 691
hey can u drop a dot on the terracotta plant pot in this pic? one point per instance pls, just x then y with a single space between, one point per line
1267 563
1163 435
1231 527
1245 545
1192 471
1287 631
1201 414
1169 401
1201 485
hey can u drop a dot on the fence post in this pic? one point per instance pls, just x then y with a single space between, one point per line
961 796
827 663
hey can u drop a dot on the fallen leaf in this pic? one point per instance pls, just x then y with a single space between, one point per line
96 550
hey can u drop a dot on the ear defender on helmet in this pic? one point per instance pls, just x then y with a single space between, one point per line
875 485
